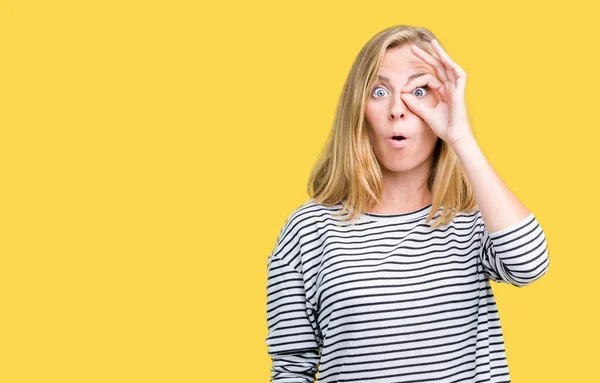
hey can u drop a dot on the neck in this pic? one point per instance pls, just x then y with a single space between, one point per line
404 191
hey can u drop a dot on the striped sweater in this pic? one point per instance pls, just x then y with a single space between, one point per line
390 299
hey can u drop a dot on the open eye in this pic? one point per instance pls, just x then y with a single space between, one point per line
379 92
420 91
421 94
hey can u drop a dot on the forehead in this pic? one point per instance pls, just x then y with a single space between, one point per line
401 61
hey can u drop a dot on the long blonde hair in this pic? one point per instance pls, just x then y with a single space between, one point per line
347 170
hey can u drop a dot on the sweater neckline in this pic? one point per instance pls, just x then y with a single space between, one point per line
400 217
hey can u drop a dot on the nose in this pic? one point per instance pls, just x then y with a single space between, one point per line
398 108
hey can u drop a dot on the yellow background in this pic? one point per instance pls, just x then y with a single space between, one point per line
152 150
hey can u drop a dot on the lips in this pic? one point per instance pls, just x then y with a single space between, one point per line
399 143
397 135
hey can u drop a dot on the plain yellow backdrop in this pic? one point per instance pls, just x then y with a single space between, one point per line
152 150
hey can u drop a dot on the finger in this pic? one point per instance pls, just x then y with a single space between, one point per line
444 59
419 108
429 59
430 80
458 72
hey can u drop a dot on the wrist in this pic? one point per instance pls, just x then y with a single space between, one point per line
464 142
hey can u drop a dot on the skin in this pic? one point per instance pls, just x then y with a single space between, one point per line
404 170
446 115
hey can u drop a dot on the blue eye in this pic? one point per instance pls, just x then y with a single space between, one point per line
425 87
375 89
417 92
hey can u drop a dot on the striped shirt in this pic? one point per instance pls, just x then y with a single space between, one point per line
391 299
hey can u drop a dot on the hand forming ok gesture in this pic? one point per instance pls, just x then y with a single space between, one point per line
448 119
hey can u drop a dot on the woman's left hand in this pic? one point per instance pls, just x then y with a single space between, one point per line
448 119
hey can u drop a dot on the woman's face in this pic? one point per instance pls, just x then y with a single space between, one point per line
387 115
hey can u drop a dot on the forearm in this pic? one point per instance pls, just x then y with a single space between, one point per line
499 206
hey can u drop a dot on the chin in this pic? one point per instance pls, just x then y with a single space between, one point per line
398 167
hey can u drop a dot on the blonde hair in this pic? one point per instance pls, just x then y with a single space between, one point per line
347 170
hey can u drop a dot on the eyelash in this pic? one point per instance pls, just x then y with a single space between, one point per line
426 87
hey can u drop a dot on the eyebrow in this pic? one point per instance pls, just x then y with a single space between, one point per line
386 79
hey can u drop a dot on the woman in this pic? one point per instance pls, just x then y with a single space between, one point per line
363 284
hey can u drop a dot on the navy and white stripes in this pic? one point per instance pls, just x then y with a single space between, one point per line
390 299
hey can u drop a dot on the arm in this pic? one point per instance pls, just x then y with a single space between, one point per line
499 206
293 339
513 245
517 255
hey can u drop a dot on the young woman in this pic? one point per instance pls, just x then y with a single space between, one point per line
384 274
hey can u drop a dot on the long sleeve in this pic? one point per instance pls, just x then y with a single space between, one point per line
517 255
293 339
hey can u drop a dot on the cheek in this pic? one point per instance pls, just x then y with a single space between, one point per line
369 112
373 114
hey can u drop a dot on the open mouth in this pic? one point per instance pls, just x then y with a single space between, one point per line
399 141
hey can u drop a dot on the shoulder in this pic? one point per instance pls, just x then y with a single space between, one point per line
462 219
300 231
470 216
311 211
305 219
